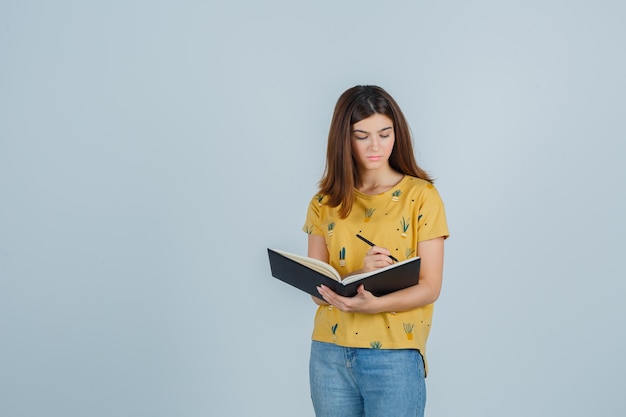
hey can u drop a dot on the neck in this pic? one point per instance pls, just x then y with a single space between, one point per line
379 181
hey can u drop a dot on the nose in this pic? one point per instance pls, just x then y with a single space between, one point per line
375 143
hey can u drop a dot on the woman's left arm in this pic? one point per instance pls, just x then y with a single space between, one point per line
425 292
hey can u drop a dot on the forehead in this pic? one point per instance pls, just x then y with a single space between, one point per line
374 123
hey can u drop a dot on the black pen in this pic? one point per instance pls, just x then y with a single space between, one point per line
371 244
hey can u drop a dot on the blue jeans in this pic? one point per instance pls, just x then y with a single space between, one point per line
350 382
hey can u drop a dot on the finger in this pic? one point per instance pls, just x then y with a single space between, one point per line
375 250
362 292
361 289
382 261
329 295
322 290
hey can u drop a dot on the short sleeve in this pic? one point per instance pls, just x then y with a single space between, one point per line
312 224
431 215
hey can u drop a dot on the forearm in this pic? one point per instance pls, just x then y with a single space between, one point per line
407 299
429 287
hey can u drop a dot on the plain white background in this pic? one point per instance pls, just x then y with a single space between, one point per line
150 152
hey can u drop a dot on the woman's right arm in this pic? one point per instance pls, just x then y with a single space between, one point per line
317 249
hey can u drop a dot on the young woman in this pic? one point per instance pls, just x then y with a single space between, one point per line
368 352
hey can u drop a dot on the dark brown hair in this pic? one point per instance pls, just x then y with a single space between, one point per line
341 175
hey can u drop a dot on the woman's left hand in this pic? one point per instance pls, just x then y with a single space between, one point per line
363 302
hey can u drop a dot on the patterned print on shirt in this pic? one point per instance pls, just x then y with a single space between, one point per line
376 344
331 226
395 196
405 225
342 256
368 214
408 329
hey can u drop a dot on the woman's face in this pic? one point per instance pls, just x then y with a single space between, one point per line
372 142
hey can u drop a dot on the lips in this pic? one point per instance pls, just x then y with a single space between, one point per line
374 158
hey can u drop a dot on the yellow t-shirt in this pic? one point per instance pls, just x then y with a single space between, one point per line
410 212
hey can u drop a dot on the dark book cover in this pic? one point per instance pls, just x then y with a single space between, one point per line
384 281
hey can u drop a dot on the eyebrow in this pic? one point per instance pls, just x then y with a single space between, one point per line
363 131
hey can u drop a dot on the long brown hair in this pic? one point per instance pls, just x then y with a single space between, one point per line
341 175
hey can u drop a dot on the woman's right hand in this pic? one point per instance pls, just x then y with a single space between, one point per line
375 258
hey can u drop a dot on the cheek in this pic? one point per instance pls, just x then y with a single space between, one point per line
356 149
390 146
